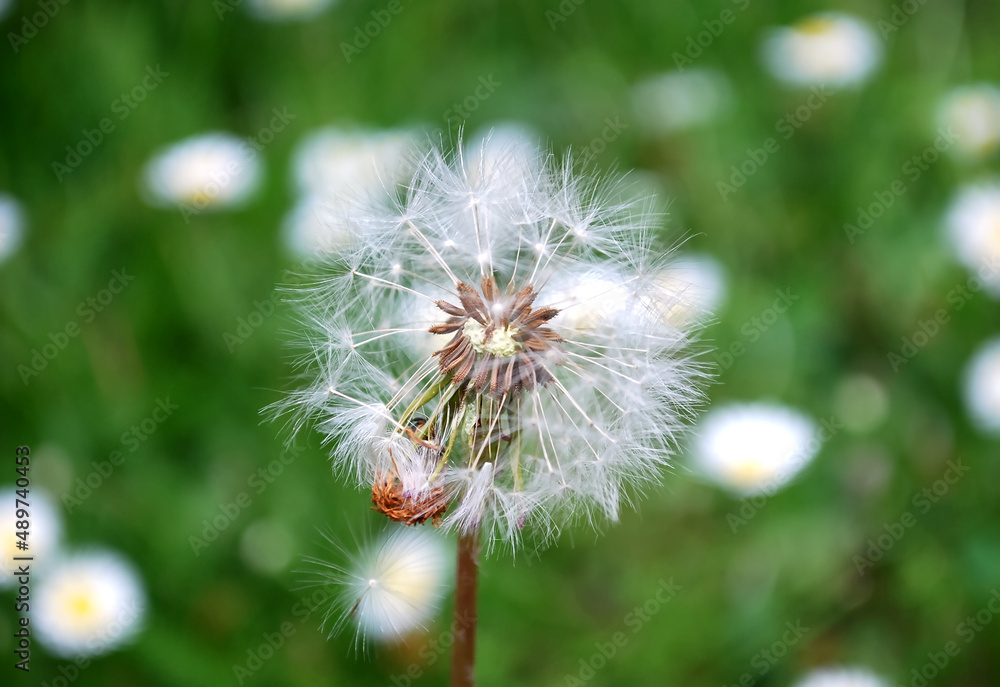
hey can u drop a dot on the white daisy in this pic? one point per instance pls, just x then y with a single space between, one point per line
973 112
754 448
88 603
973 225
11 225
982 387
392 587
287 10
829 49
842 677
44 526
678 100
205 172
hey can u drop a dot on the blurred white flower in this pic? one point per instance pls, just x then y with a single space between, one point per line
207 172
973 112
698 283
390 588
45 529
829 49
312 228
503 145
674 101
332 162
973 225
982 387
11 225
88 603
287 10
559 385
754 448
5 5
842 677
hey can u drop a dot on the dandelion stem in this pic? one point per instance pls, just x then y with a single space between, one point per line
463 656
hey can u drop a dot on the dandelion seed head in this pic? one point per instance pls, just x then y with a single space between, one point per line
547 383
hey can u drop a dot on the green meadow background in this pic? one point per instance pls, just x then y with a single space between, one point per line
565 70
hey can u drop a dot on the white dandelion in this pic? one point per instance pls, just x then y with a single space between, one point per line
754 448
391 588
982 387
842 677
42 527
826 49
205 172
88 603
11 226
973 226
288 10
679 100
973 113
559 383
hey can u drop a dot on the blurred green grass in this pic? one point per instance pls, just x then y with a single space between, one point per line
783 229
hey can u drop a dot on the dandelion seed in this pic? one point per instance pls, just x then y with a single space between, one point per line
481 383
88 603
973 226
754 448
391 588
982 387
827 49
11 226
209 171
973 112
699 282
841 677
